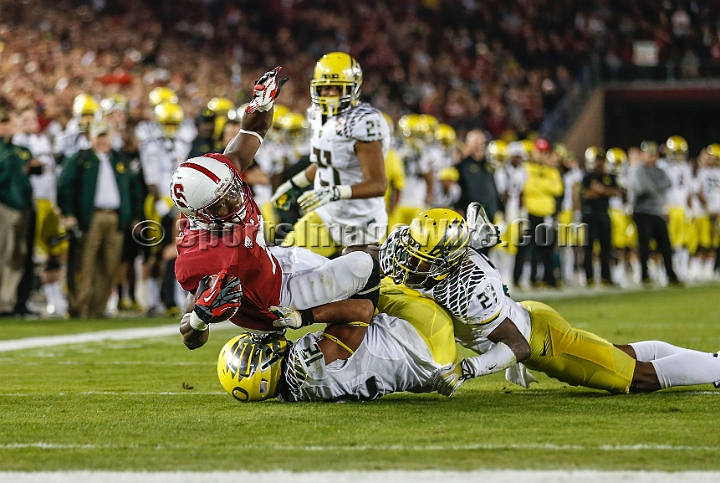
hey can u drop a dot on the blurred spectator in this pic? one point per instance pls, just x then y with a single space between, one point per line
16 205
648 185
97 192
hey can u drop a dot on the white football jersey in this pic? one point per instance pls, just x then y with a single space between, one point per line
474 293
680 175
44 185
332 143
71 140
514 182
708 183
147 131
416 165
160 158
616 202
570 179
391 358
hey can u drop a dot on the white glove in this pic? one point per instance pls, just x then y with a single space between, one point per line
449 379
297 182
314 199
282 190
267 88
518 374
291 318
483 233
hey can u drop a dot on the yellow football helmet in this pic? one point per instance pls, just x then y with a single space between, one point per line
529 146
249 367
84 105
279 112
162 94
617 159
418 127
169 116
591 155
446 135
497 152
677 149
116 102
449 173
295 126
649 147
428 250
714 151
220 105
340 70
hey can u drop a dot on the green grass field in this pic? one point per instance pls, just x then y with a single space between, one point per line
153 405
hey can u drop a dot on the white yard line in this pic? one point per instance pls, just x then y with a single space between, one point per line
383 448
485 476
120 334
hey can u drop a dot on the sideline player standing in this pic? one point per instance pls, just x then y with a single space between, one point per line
225 235
349 141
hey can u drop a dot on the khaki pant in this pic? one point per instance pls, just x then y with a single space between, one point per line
13 247
101 251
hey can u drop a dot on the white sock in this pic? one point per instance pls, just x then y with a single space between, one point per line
687 369
153 289
650 350
59 299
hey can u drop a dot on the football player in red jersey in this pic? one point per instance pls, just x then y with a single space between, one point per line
222 230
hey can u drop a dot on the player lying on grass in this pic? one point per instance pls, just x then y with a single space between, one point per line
407 347
433 255
222 232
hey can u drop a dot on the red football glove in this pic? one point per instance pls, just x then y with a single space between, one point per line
267 88
220 300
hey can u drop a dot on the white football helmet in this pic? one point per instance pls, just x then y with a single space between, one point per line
207 190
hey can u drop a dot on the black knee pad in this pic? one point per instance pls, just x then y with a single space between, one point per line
371 290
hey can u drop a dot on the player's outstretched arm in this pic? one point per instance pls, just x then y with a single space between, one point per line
256 120
341 312
510 348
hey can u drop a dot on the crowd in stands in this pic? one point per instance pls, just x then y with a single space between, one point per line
479 71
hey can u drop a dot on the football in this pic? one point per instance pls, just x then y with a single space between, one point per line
227 313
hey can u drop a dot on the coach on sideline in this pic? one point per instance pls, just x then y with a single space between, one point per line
98 192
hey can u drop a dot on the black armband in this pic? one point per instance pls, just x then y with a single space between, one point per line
308 318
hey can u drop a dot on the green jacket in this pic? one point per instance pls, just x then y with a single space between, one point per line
78 180
15 189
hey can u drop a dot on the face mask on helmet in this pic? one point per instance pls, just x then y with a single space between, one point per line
209 192
341 71
415 264
228 208
250 367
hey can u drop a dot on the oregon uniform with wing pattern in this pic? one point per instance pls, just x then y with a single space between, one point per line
404 348
337 125
467 283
